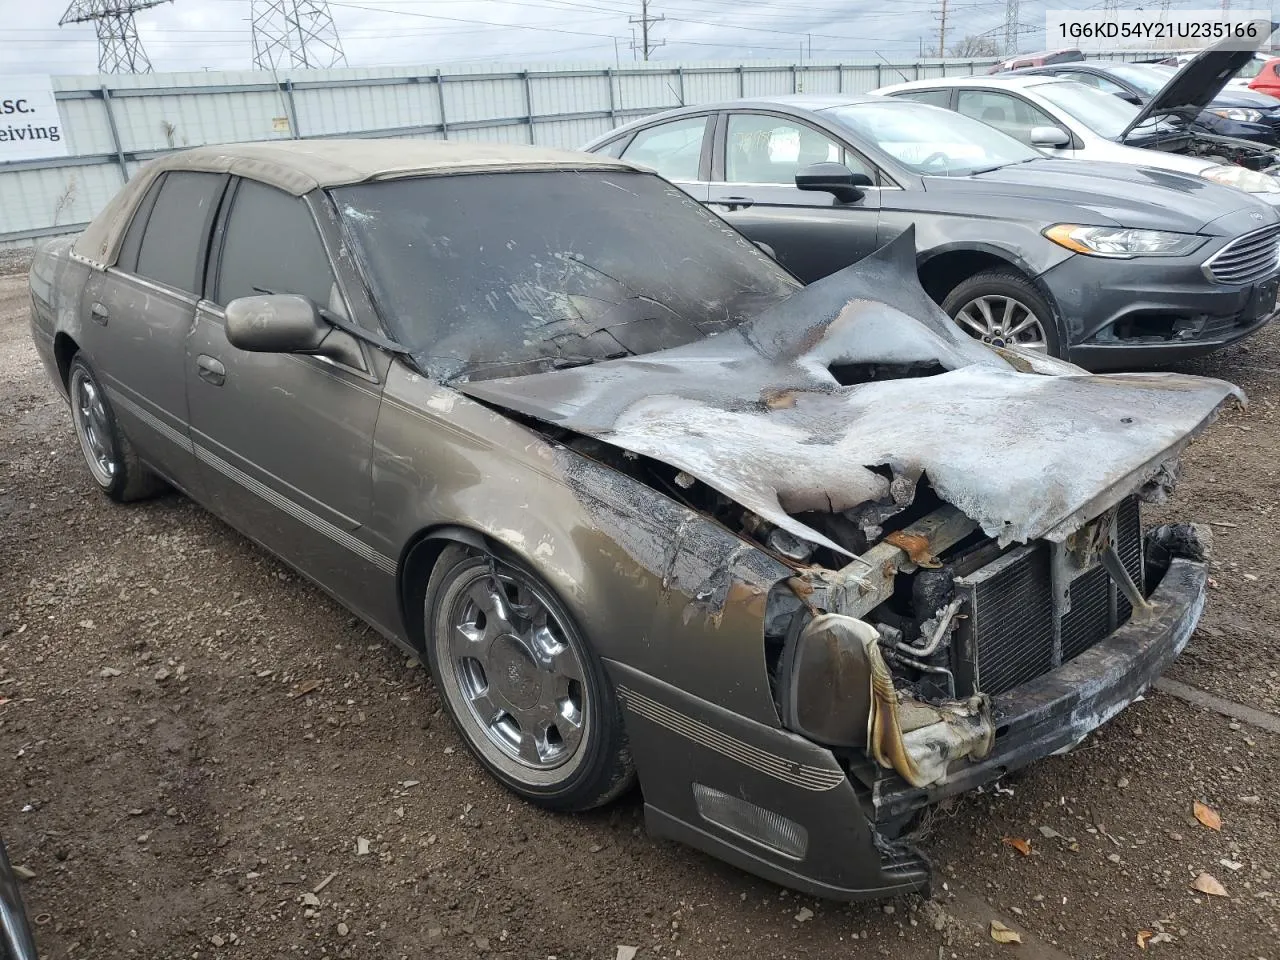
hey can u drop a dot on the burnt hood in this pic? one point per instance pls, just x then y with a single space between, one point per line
831 397
1198 81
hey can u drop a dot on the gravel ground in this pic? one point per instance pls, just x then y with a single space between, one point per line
177 794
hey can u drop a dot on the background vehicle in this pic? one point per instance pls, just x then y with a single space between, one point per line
825 180
1232 113
604 465
1040 59
1240 78
1267 80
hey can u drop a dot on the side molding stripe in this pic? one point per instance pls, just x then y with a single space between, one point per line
795 774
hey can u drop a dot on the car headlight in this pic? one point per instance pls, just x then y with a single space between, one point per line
1243 114
1122 242
1242 178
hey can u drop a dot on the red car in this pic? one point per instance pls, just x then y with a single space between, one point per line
1268 78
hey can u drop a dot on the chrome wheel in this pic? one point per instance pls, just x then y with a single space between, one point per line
1003 322
93 428
514 667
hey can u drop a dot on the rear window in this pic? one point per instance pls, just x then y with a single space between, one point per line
484 275
176 238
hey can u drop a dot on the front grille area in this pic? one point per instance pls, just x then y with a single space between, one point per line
1246 259
1015 631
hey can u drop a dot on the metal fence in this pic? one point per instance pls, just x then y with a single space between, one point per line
114 124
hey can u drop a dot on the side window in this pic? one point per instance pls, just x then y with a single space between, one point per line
128 257
176 239
935 98
613 148
1010 115
673 149
762 149
271 243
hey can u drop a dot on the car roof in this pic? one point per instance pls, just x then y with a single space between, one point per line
300 166
1000 81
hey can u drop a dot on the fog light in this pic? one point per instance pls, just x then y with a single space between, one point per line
751 822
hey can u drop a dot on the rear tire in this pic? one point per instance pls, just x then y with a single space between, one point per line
523 687
1001 307
108 454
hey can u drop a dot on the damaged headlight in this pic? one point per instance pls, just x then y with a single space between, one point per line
1243 114
1242 178
1122 242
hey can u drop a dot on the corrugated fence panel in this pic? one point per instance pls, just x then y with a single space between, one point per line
570 104
469 100
36 199
710 87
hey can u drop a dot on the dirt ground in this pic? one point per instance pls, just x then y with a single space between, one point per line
176 796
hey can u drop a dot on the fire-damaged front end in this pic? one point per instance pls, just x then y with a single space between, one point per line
933 558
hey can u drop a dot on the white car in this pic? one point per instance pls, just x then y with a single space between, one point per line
1063 118
1239 80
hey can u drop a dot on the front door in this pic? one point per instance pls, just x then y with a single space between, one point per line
812 234
284 441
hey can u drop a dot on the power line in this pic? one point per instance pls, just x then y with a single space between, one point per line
119 49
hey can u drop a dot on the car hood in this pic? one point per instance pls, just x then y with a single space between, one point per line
1196 83
1119 193
1235 97
855 388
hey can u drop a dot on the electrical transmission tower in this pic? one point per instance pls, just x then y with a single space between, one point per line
1010 27
119 49
294 33
644 20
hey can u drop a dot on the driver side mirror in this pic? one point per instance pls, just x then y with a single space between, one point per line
276 323
1049 137
833 178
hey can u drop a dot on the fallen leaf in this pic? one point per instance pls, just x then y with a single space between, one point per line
1207 883
23 872
1143 937
626 953
1207 816
1022 846
1002 934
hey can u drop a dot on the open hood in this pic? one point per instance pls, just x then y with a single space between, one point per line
852 389
1197 82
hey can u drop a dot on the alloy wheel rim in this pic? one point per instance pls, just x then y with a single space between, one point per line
93 429
1003 322
522 681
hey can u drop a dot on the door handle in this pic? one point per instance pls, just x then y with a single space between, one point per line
98 313
211 370
736 203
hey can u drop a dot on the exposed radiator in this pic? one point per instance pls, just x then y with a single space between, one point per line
1016 632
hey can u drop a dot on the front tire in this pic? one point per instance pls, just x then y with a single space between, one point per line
110 457
1003 308
523 687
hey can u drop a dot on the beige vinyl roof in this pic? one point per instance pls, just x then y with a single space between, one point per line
300 166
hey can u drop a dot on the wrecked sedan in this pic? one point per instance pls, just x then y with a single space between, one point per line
801 560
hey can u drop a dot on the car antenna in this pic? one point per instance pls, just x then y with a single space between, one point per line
895 69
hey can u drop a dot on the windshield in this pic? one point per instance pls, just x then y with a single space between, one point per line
1251 69
1103 113
486 275
930 140
1146 78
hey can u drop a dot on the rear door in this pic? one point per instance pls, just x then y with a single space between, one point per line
139 312
284 441
812 234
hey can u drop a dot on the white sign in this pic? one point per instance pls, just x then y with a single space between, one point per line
1103 31
29 125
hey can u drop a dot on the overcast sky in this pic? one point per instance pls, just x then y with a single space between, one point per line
214 34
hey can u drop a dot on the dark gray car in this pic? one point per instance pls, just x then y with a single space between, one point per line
1107 264
800 559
